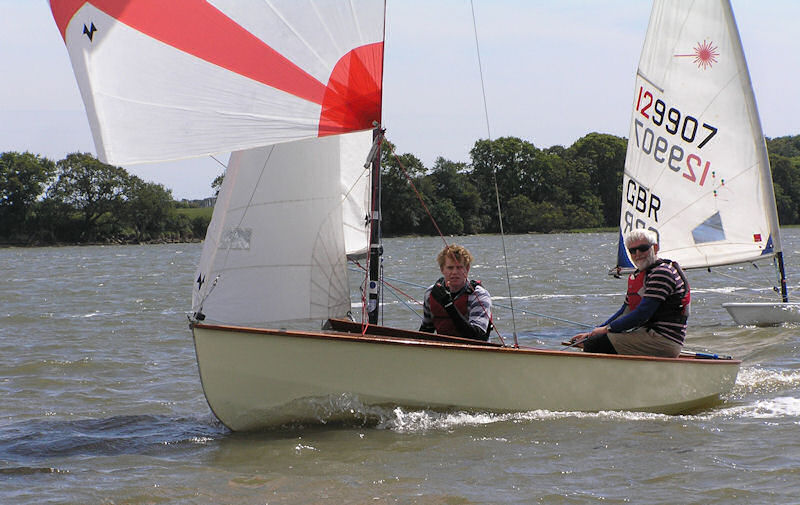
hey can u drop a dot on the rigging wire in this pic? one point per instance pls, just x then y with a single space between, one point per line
417 193
433 221
753 285
494 173
524 311
223 165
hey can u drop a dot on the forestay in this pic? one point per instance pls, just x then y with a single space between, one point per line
185 78
696 169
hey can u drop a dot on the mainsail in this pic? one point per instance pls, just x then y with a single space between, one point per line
186 78
696 169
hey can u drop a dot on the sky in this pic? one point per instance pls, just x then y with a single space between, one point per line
553 71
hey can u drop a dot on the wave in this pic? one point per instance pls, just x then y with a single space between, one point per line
36 440
780 407
28 470
757 380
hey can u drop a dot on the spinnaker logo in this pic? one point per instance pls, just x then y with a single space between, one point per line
705 54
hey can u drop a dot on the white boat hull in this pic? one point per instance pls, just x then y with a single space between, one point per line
764 313
254 378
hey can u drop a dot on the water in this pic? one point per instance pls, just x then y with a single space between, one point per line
101 400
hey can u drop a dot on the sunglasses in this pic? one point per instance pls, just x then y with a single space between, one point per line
640 248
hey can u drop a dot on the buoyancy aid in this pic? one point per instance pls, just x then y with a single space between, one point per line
441 319
635 289
674 309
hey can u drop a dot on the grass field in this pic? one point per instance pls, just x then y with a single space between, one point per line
195 212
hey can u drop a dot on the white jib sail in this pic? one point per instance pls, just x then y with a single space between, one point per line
275 251
697 170
187 78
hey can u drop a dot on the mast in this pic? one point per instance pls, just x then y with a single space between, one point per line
779 259
375 246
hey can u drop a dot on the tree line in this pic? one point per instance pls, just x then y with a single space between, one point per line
79 199
541 190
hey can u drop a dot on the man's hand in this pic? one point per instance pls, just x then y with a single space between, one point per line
578 339
441 295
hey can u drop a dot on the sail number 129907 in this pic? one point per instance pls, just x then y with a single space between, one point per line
672 119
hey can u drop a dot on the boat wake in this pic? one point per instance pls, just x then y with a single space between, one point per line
781 407
774 388
757 380
350 413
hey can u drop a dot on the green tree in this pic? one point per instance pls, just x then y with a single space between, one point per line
517 167
785 146
447 218
557 191
94 190
23 179
602 156
216 184
401 210
549 217
148 208
582 206
198 226
520 214
786 181
450 181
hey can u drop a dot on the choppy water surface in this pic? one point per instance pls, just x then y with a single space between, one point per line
102 403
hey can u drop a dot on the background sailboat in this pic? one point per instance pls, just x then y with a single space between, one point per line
696 169
304 82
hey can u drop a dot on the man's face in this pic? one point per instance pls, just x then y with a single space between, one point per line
643 253
455 274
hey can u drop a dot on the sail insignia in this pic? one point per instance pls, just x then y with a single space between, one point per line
769 249
89 31
236 238
710 230
705 55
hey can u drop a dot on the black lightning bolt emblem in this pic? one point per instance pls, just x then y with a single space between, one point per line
200 281
89 32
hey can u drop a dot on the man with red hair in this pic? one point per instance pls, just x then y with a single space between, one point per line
455 305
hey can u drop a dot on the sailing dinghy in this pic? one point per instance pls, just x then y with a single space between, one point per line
294 89
696 169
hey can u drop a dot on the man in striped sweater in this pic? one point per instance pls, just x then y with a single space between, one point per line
455 305
652 320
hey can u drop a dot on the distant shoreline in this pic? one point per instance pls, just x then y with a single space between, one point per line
8 245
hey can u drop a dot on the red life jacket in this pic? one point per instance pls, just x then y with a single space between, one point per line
636 291
441 319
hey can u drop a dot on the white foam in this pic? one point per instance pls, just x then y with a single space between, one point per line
756 378
406 421
774 408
